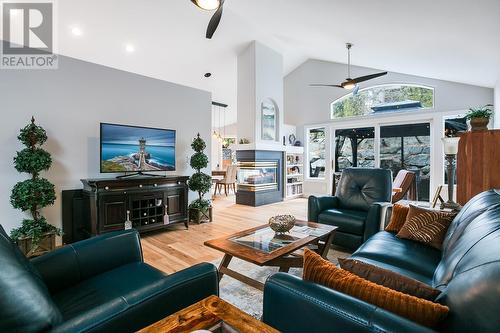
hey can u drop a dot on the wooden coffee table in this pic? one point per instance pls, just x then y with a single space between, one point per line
211 314
262 247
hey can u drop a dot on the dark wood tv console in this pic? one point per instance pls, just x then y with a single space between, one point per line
154 203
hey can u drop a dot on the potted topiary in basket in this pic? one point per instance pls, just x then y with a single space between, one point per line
480 117
35 236
200 209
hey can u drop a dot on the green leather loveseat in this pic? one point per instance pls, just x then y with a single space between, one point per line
467 271
96 285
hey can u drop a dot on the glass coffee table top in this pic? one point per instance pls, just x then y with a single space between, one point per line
267 240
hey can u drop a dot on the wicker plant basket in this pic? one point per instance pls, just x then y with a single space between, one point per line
199 216
47 244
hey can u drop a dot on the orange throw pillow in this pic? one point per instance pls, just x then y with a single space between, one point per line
398 218
389 279
426 226
321 271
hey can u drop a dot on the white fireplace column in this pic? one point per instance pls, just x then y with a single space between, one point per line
260 97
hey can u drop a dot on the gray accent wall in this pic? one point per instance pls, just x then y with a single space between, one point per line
70 102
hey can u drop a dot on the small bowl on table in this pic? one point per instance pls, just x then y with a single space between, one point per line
281 224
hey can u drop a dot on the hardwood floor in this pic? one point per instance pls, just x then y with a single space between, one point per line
171 251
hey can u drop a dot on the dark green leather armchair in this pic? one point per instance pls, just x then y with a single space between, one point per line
96 285
357 207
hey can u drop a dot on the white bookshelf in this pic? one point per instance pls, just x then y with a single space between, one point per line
294 172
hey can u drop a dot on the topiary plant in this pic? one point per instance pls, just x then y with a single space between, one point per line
199 181
35 193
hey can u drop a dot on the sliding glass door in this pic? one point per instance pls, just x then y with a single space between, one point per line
408 147
395 147
354 147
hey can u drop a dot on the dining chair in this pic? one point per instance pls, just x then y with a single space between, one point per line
229 181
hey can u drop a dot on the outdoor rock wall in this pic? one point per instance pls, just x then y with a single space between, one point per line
416 158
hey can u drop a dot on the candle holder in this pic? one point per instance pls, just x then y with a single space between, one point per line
450 149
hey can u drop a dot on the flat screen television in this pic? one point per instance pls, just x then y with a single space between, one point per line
136 149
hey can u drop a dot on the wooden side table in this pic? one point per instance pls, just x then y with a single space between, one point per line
209 314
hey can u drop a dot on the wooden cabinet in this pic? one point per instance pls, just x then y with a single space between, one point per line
112 212
175 200
153 203
478 164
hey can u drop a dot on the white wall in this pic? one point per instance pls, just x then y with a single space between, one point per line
260 76
71 102
308 105
311 106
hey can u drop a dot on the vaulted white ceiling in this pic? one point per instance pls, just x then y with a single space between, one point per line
456 40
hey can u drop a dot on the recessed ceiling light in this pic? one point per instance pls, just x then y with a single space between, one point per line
76 31
129 48
208 74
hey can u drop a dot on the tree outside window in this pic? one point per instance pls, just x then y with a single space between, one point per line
317 152
400 96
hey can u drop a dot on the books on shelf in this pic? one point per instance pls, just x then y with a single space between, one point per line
294 171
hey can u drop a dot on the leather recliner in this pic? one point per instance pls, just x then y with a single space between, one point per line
356 209
96 285
467 271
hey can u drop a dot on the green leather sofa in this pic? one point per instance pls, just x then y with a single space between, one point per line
467 271
96 285
357 207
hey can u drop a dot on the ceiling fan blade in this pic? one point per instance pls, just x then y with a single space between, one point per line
368 77
214 21
326 85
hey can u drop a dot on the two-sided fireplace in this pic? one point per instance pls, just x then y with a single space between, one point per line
259 177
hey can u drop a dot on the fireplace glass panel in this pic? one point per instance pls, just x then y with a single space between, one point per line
257 176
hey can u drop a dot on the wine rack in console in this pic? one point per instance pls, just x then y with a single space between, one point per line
151 203
147 211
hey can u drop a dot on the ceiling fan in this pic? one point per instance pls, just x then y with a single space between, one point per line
351 83
216 5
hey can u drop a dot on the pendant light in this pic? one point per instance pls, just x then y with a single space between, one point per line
214 134
220 136
218 123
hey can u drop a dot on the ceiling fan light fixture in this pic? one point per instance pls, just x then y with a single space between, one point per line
349 85
207 4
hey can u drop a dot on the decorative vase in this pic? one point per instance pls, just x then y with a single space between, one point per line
282 223
479 124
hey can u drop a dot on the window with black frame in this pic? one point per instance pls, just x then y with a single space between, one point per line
354 147
407 147
316 143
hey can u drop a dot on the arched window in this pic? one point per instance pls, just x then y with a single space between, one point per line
383 98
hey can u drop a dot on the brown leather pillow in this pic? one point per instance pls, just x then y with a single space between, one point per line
321 271
398 218
426 226
389 279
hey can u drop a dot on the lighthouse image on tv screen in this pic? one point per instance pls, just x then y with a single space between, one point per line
134 149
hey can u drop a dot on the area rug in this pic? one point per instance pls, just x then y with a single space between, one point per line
248 298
